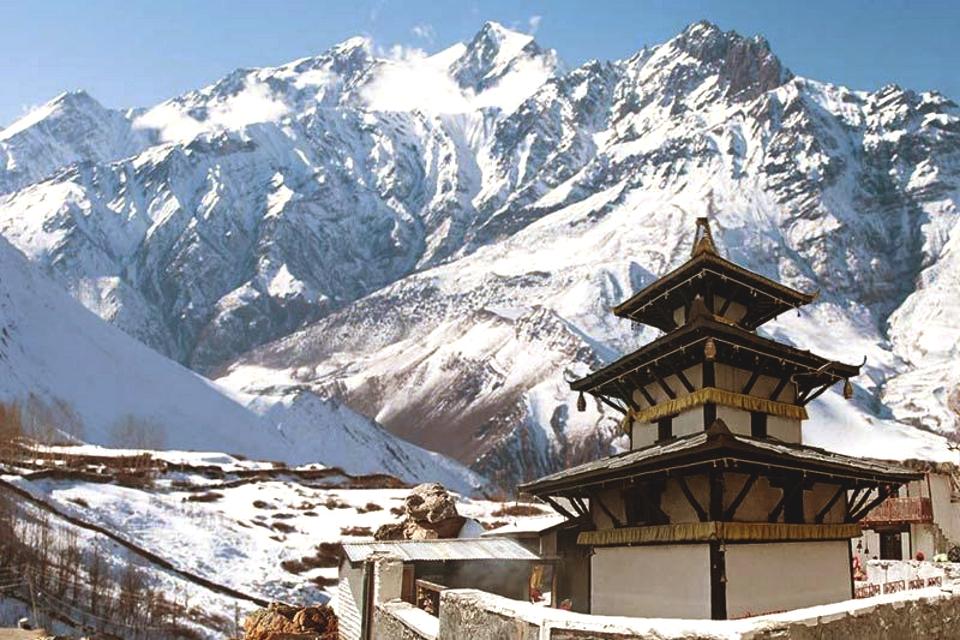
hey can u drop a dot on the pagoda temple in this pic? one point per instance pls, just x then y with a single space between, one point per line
717 510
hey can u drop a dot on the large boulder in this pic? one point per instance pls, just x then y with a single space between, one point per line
283 622
430 512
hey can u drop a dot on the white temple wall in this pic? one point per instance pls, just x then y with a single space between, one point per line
786 429
737 420
688 422
656 581
817 573
644 434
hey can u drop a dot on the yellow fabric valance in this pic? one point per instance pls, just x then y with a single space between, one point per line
723 531
723 397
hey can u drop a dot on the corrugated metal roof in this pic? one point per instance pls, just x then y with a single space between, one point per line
435 550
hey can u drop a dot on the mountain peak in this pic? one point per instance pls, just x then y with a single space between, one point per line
491 52
748 65
68 102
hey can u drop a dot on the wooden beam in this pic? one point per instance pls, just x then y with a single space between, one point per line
685 382
556 507
787 495
816 394
779 388
663 385
642 389
609 403
627 395
744 490
725 306
832 501
752 381
884 492
716 494
651 488
594 497
859 497
701 514
579 505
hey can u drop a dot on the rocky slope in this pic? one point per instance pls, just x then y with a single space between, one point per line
436 240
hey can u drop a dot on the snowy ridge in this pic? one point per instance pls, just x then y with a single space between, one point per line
440 267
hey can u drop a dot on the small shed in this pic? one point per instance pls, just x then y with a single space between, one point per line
497 565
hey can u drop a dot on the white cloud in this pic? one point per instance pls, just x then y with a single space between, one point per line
412 80
533 24
424 32
255 103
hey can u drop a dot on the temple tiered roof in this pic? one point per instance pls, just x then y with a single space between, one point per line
705 274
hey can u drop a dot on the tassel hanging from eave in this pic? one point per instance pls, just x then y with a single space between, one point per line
847 389
581 403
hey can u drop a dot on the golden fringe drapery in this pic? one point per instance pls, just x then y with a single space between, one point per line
713 395
725 531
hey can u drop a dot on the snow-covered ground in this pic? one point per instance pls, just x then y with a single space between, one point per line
239 530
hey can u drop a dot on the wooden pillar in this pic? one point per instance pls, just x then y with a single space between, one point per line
718 581
709 380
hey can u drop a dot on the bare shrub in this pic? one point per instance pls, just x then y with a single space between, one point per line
369 507
355 531
209 496
133 432
518 510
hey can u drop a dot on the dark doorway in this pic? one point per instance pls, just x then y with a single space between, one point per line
890 546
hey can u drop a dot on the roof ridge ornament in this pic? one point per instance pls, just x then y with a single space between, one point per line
703 236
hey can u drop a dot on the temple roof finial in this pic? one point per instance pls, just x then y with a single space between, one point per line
703 240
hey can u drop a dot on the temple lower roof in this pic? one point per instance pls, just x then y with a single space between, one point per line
718 446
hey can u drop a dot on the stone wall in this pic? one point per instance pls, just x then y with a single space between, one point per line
923 614
398 620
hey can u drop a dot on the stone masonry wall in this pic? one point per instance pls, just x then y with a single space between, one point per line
923 614
397 620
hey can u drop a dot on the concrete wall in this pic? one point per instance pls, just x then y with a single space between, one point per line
349 601
387 585
818 573
660 581
946 513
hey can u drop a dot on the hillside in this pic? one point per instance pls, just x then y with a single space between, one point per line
75 376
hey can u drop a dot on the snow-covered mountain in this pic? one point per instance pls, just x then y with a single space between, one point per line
70 370
436 239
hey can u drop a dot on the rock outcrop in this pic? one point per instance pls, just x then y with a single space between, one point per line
283 622
430 513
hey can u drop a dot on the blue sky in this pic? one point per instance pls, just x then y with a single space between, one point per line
136 53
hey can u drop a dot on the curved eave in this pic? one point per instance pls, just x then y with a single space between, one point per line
703 450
